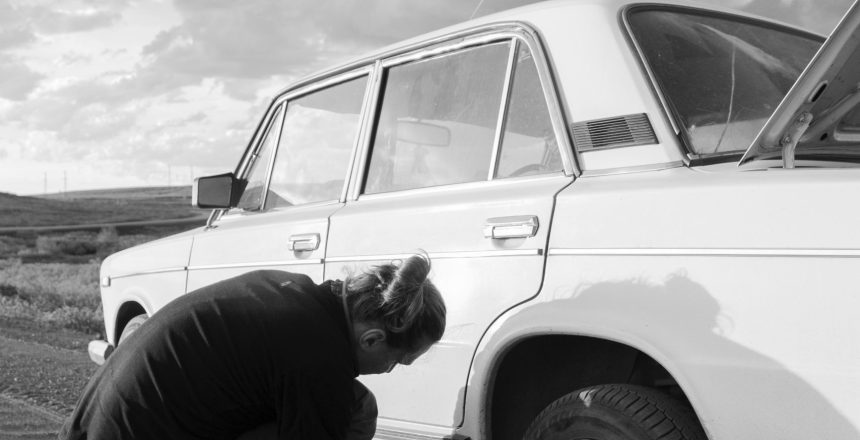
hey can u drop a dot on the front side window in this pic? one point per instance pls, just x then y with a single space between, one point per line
722 77
438 119
316 145
258 167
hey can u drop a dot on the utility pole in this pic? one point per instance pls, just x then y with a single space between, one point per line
45 183
168 175
65 183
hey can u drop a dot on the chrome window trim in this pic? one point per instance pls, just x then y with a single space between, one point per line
257 264
462 186
271 165
440 255
633 169
708 252
356 183
505 103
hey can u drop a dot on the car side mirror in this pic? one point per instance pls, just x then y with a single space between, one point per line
219 191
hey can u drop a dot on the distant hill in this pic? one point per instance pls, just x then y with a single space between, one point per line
98 206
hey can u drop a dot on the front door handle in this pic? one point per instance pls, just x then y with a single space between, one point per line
518 226
304 242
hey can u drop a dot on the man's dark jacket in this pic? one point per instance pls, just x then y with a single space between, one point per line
267 345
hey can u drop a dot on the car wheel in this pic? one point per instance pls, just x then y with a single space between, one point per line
616 412
131 326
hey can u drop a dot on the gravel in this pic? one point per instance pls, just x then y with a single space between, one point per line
44 367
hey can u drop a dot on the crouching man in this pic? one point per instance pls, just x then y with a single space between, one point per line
268 354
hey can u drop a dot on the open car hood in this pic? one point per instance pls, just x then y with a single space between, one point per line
819 118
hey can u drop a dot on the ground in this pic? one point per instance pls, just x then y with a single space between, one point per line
42 372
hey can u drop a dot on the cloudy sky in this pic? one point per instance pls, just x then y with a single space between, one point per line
118 93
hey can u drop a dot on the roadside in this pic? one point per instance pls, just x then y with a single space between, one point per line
24 421
42 372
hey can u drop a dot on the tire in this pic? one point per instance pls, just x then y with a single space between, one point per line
616 412
131 326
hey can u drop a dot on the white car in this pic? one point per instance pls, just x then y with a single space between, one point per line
645 213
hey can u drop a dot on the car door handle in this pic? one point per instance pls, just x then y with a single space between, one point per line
304 242
518 226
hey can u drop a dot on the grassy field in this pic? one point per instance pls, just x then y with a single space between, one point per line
50 305
102 206
51 278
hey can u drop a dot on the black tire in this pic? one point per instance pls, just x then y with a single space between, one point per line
616 412
131 326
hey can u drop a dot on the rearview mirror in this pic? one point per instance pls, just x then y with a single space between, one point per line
423 133
219 191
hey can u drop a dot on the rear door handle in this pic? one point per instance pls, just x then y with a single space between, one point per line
517 226
304 242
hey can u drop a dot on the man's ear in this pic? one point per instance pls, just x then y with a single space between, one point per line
371 339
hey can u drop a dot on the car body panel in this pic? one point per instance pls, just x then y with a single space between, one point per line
251 241
478 277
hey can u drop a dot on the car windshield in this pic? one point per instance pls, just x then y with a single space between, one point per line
722 76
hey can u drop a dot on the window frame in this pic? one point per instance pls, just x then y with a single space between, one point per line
266 122
517 35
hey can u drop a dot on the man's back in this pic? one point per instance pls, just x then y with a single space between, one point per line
264 346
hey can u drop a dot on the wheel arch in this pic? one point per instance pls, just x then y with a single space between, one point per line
126 311
531 371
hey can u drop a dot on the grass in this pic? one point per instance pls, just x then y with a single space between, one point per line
51 278
54 294
106 206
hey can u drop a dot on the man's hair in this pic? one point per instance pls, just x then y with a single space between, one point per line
399 297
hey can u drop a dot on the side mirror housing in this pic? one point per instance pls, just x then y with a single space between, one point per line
219 192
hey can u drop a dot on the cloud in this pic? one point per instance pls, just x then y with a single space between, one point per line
18 79
816 16
63 21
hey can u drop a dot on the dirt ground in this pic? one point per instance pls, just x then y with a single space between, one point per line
42 372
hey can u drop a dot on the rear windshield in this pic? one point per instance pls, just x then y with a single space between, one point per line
722 76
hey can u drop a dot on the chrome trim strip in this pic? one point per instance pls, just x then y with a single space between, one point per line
441 48
391 434
360 166
150 272
257 264
636 169
503 107
440 255
708 252
554 99
271 166
360 142
463 186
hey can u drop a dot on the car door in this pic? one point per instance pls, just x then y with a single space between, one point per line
296 174
463 162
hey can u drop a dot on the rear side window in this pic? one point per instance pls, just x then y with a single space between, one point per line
529 145
437 123
722 76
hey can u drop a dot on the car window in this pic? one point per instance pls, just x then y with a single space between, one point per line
723 77
438 120
252 197
528 142
316 145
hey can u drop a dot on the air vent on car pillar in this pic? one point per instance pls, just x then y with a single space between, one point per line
620 131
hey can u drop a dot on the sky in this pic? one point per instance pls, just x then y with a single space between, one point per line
125 93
